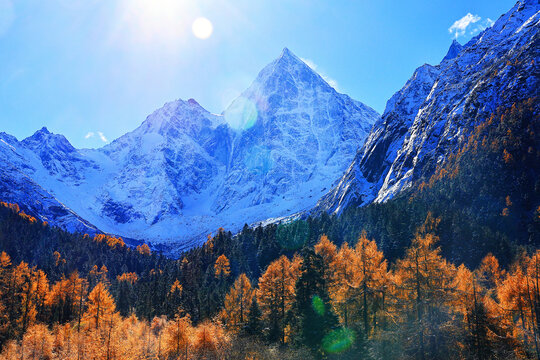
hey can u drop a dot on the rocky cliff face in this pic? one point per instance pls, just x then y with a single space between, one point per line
430 116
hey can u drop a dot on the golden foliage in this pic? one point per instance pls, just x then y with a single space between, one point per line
176 288
237 303
143 249
129 277
277 289
101 306
222 266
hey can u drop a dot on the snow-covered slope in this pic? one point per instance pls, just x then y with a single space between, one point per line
429 117
185 172
20 167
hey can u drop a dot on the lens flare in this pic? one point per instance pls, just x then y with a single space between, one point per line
318 305
338 340
241 114
202 28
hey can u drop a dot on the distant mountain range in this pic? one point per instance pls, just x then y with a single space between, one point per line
290 145
185 172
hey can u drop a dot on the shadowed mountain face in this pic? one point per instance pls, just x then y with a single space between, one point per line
184 172
430 117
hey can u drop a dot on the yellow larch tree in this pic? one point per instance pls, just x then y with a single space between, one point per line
37 343
342 287
210 341
423 290
222 267
328 251
519 298
276 294
370 280
237 303
178 333
101 306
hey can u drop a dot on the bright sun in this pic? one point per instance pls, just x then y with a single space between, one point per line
166 21
202 28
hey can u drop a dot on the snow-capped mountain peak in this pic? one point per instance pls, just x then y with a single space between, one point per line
287 73
430 116
184 172
43 138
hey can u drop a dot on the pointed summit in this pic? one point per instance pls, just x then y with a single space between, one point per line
43 130
287 75
288 54
287 61
43 138
453 51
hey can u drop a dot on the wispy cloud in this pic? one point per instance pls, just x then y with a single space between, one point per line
102 137
333 83
469 24
99 134
459 27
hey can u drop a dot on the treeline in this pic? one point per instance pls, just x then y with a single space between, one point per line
324 302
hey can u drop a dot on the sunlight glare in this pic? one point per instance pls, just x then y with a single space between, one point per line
156 20
202 28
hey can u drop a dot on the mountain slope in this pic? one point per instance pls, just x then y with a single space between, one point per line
184 172
428 118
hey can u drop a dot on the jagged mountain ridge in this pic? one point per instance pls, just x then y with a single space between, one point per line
430 116
184 171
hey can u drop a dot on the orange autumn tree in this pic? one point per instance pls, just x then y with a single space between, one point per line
5 289
222 267
178 334
326 249
371 270
276 294
237 303
210 341
23 290
37 343
156 326
359 281
422 292
341 291
66 297
519 300
143 249
101 306
475 321
489 272
328 252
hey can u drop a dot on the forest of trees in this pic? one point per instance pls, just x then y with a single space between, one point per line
449 269
324 302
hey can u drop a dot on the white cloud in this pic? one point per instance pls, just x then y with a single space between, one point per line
102 137
333 83
99 134
459 27
469 24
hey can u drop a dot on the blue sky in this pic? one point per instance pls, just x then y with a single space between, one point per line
94 69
